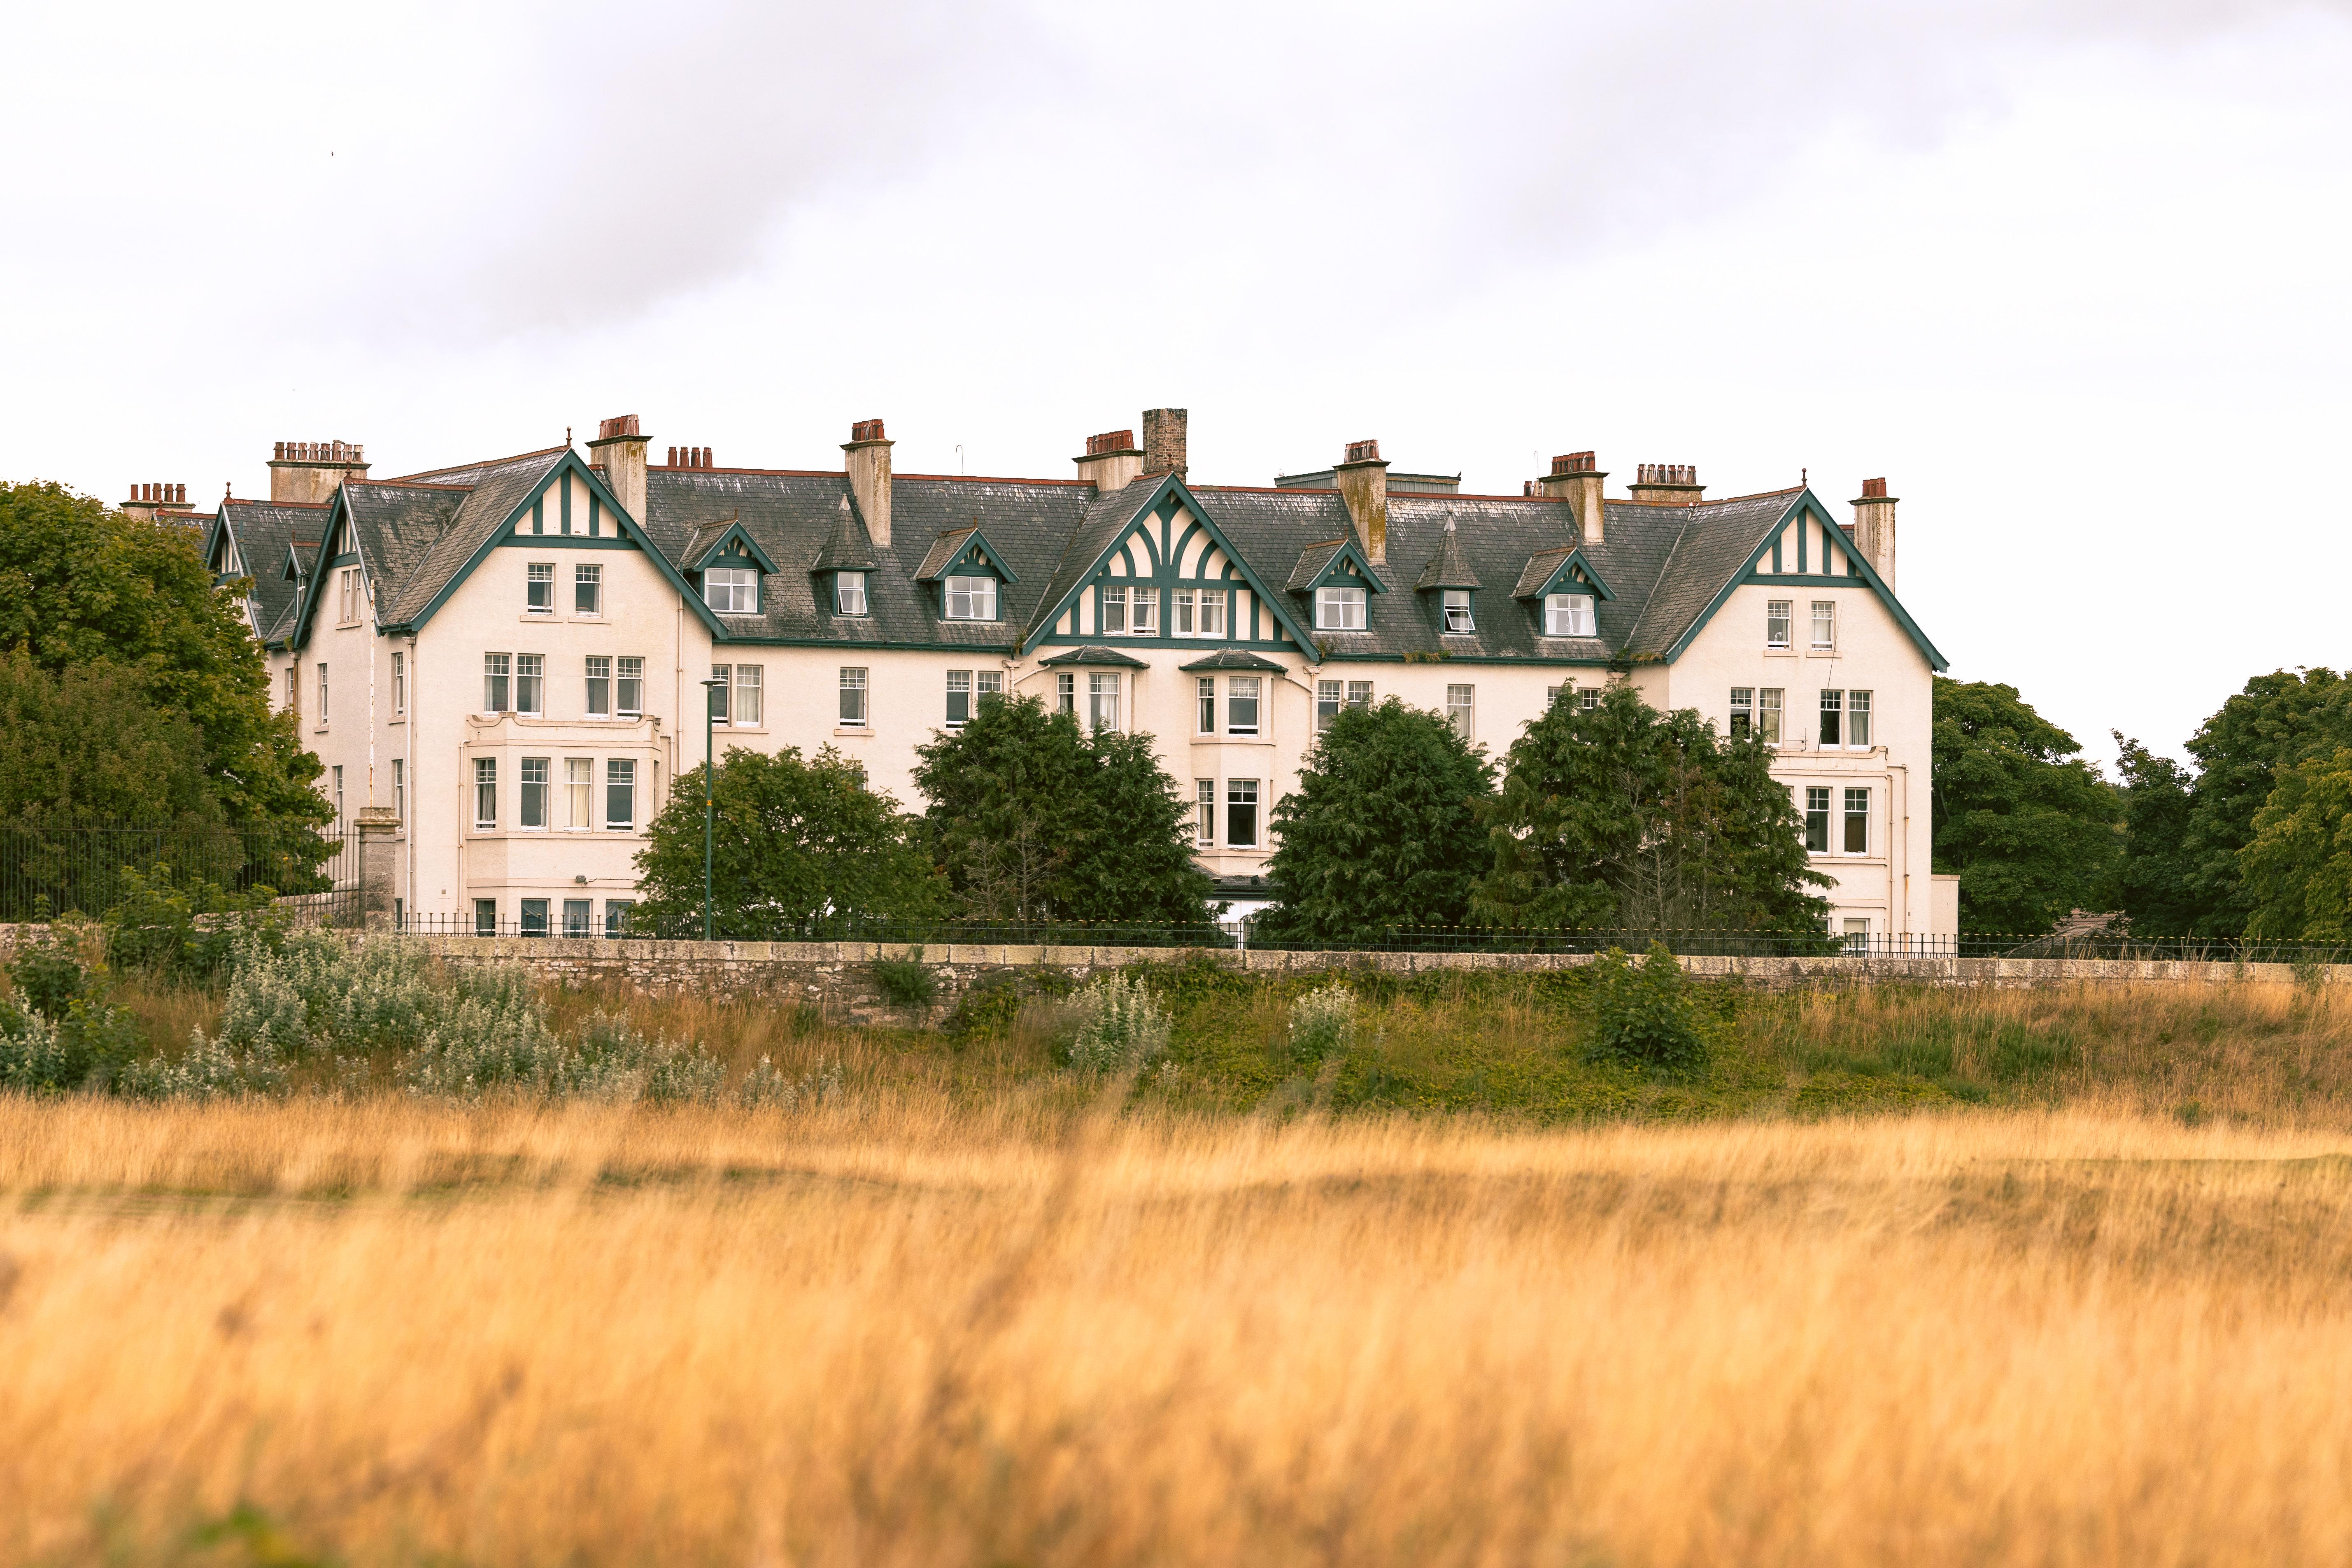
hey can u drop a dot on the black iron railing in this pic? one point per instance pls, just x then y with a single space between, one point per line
45 872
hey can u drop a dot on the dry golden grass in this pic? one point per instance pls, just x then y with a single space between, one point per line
896 1331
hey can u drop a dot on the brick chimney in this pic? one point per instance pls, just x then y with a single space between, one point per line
309 471
1113 460
1575 478
1874 528
621 449
1666 484
1363 481
1164 441
147 499
869 478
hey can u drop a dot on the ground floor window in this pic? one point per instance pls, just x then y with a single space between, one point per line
1857 933
1204 816
616 916
1241 813
485 917
534 918
1817 819
576 917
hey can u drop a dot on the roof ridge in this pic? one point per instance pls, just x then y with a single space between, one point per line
485 463
404 484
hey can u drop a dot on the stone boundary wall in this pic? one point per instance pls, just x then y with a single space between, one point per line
838 976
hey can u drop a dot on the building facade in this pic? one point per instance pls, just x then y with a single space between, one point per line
519 655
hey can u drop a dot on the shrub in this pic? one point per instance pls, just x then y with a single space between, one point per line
1121 1025
1322 1024
189 933
58 1031
989 1007
905 982
1643 1016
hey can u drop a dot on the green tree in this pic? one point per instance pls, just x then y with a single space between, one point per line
795 844
2241 753
2027 824
2296 872
1383 830
1621 816
85 747
83 586
1033 819
2152 878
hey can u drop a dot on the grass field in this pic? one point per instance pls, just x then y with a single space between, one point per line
912 1327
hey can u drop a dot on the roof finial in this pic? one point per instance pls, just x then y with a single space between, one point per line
567 435
1804 478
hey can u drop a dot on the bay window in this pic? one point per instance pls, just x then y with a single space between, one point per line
1241 705
485 792
1102 701
1857 822
532 810
1241 813
620 793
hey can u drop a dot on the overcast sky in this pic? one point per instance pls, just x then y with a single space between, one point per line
2071 274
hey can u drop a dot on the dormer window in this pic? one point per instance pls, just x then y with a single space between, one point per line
1568 616
1457 611
1338 609
849 592
971 599
731 590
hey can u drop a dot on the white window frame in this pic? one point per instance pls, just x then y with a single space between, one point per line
1360 694
1780 623
580 791
1459 619
1743 712
1142 610
750 696
322 694
1822 793
1824 617
539 589
1462 709
849 593
1110 609
400 790
731 590
718 697
1204 813
399 684
959 712
1240 794
1212 616
1183 603
1830 715
486 794
629 672
1588 698
1240 689
528 784
1204 705
620 784
588 579
530 684
1065 692
856 703
1102 700
498 683
1330 696
1772 704
1570 615
1340 608
337 789
1848 817
1857 721
596 680
968 599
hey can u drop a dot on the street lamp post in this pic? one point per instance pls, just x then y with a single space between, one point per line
709 781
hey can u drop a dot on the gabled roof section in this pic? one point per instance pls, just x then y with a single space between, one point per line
1447 569
488 515
1326 560
1095 654
1716 557
1560 571
1105 524
961 547
711 543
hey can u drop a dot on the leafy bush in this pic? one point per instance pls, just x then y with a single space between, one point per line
184 933
57 1032
905 982
989 1007
1121 1025
1322 1024
1643 1016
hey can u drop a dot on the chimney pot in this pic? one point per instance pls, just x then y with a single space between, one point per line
865 430
1364 451
1110 441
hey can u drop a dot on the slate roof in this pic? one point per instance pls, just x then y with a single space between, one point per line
1093 653
1227 658
1667 564
263 531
